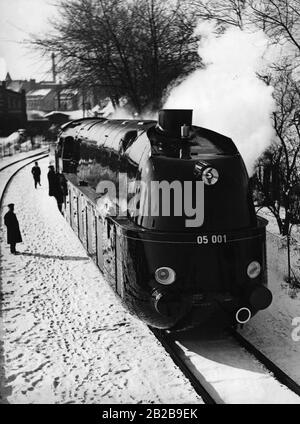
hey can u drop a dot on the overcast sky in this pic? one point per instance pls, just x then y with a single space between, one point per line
19 19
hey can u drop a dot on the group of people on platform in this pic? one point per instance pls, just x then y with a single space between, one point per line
57 189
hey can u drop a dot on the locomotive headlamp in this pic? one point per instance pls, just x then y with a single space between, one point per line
165 275
253 269
210 176
206 173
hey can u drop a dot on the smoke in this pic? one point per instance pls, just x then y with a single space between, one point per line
124 112
227 96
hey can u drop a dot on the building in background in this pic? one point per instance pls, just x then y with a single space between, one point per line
68 99
19 85
50 96
12 110
41 98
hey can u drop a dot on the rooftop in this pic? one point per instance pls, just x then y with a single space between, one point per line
42 92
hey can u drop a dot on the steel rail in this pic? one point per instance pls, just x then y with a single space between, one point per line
170 346
279 375
173 350
20 160
33 158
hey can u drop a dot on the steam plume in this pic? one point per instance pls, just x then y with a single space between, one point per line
227 96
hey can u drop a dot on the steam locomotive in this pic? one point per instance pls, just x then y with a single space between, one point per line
190 251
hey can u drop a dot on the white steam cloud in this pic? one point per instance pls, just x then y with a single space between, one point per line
124 113
227 96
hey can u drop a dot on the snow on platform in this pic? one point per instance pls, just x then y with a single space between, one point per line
65 336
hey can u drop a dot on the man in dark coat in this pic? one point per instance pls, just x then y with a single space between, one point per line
52 180
36 172
55 188
13 230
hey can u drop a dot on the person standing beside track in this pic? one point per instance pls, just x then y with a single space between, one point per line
13 229
55 187
36 172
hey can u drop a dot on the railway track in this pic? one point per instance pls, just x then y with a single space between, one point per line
213 376
31 155
280 375
172 349
8 171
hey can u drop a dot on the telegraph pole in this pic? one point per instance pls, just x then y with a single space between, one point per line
83 102
54 75
53 68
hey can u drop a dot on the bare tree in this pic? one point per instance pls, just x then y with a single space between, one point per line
131 48
224 13
277 180
280 19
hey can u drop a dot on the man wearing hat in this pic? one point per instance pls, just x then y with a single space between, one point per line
13 230
36 172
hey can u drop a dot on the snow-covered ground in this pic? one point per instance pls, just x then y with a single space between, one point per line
277 246
65 337
271 330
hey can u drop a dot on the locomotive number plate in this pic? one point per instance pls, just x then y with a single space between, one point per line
212 239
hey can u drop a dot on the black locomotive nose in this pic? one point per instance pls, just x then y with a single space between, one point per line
170 304
260 298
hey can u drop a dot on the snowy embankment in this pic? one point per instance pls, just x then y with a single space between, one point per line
65 336
273 330
277 246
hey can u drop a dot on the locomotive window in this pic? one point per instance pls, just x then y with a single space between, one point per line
205 146
71 149
68 148
210 142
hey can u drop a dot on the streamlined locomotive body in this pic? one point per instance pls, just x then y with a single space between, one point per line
166 212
